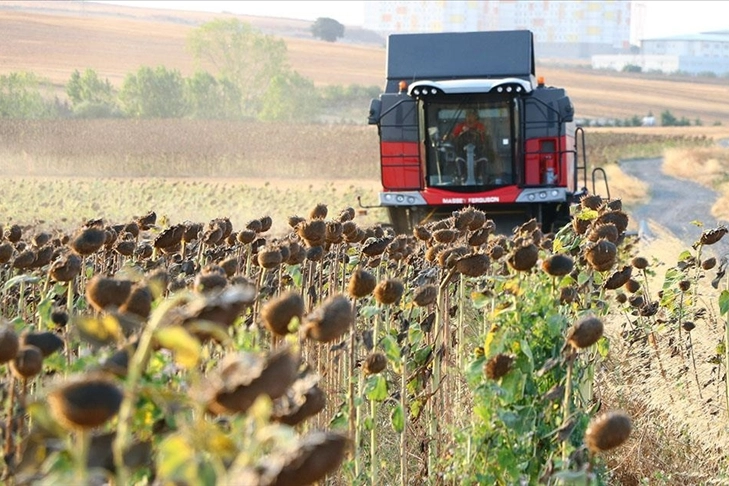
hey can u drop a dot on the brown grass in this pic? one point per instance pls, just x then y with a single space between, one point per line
162 148
676 439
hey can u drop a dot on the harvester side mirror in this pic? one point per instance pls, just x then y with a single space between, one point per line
566 109
375 110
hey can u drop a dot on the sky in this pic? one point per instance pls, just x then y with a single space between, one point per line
663 18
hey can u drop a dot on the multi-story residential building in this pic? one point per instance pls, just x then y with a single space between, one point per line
565 29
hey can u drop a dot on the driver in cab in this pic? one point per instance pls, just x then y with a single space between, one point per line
471 131
471 124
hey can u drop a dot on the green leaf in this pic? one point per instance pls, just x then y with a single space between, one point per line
296 275
369 311
603 347
185 347
176 460
339 421
724 302
480 300
415 407
100 330
588 214
557 246
685 255
391 348
527 350
513 385
673 275
376 388
415 334
421 355
397 417
18 280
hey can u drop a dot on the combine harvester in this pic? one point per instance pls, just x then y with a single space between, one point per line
525 166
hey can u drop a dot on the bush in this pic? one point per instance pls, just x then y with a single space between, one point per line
94 110
632 68
154 93
21 97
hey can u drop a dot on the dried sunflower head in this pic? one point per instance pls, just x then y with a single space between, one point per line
331 320
389 291
85 403
498 366
558 265
585 332
361 283
278 313
524 257
607 431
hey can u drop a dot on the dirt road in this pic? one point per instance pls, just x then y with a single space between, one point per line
673 205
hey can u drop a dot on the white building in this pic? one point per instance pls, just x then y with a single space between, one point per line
565 29
694 54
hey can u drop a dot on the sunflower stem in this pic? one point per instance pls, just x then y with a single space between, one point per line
566 404
137 365
403 434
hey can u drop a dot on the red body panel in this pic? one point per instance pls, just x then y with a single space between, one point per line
401 168
537 161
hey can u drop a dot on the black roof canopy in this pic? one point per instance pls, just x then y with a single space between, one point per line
460 55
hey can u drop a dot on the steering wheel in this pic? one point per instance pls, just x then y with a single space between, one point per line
469 136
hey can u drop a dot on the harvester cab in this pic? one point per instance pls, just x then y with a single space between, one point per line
463 121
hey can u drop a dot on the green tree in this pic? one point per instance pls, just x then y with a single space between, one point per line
88 87
327 29
668 119
154 93
290 97
240 55
208 98
90 96
21 97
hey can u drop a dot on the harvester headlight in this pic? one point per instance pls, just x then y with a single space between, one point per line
532 197
499 89
508 89
543 195
411 200
555 193
433 91
400 198
416 91
518 89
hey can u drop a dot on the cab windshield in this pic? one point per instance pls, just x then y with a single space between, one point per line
469 143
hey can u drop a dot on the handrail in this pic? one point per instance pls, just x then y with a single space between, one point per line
604 177
580 143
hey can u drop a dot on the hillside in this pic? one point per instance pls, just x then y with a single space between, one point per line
54 38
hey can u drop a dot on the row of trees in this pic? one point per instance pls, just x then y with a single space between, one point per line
240 73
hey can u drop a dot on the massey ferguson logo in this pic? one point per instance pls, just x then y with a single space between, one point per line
470 200
481 200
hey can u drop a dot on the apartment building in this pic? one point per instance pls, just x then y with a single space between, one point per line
562 29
